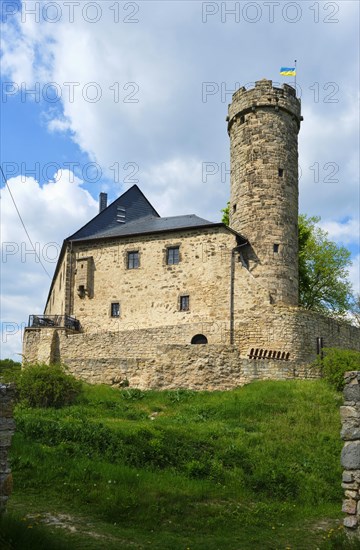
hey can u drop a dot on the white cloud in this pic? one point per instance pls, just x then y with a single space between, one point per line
346 233
169 184
354 274
59 125
50 213
329 162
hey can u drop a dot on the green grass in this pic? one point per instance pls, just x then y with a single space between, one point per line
256 467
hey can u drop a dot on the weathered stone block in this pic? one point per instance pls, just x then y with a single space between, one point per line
352 494
352 391
6 484
5 440
352 486
349 506
347 412
351 522
356 476
347 477
350 455
350 429
7 424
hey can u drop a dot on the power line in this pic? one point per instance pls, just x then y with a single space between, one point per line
23 224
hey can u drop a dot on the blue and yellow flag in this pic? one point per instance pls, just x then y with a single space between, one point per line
288 71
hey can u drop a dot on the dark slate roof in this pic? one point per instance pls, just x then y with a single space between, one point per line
150 224
132 214
133 204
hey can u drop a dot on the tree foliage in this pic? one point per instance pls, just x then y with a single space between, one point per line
335 363
225 214
323 271
9 370
323 282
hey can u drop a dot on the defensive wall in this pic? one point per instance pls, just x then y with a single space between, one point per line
277 346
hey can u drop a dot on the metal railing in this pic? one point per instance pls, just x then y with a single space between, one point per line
48 321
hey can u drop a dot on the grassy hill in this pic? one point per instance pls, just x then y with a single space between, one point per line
253 468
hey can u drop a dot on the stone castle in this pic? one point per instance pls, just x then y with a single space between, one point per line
133 292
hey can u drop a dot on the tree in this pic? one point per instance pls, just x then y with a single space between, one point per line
323 282
225 216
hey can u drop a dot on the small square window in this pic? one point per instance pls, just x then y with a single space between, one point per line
276 248
184 303
173 255
133 260
115 309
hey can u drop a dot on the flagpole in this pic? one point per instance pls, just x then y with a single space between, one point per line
295 78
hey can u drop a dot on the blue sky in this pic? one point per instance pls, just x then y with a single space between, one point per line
137 92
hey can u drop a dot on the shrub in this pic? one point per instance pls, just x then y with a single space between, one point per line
48 386
9 370
335 363
133 394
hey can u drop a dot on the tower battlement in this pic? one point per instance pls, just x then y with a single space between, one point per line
264 96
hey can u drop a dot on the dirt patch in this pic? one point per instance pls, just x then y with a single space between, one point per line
325 524
68 522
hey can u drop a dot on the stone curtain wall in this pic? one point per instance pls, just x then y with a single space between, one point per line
152 359
163 357
293 330
350 456
7 427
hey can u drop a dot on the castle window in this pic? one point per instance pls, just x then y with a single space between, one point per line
234 207
184 303
115 309
276 248
242 119
133 260
172 255
281 172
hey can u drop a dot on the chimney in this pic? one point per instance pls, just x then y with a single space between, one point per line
102 201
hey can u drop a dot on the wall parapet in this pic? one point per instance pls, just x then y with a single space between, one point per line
350 456
7 428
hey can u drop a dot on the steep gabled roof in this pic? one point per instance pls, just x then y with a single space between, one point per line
130 206
147 224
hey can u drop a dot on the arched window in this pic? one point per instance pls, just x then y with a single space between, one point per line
199 339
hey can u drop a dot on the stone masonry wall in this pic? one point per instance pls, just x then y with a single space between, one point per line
57 300
112 358
149 296
263 125
7 427
350 456
293 331
139 355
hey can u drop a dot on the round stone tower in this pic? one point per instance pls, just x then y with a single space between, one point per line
263 126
